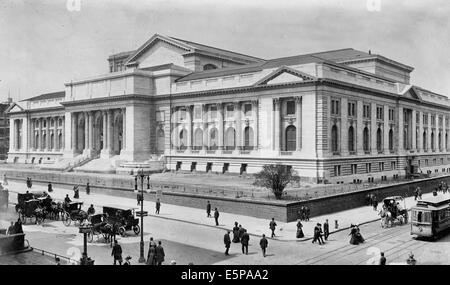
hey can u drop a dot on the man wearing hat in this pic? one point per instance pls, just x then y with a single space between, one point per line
227 242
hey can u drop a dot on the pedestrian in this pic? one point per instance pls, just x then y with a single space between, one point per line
411 260
435 192
88 189
272 227
299 229
151 253
353 238
208 210
31 182
57 261
127 260
241 232
326 229
375 203
67 199
263 243
416 193
419 193
5 180
236 233
302 213
307 212
216 216
382 259
368 202
320 233
158 206
159 254
135 182
299 214
50 188
227 242
117 253
18 227
244 241
91 210
317 234
76 193
139 198
11 229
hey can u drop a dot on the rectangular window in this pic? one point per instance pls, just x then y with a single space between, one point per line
335 107
337 170
248 110
111 67
197 112
381 166
446 122
391 115
213 111
440 121
379 113
290 108
425 119
417 118
160 116
442 161
434 161
351 109
230 111
393 166
354 168
433 120
366 111
368 167
426 162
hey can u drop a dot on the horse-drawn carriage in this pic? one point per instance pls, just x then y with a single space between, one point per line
122 218
32 209
72 212
393 211
100 226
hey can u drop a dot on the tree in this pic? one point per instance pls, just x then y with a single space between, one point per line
275 177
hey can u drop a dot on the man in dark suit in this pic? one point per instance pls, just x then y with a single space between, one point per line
216 216
88 189
158 206
244 241
159 256
50 188
227 242
272 226
208 210
263 243
382 259
117 253
326 229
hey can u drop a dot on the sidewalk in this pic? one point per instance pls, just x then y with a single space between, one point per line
254 226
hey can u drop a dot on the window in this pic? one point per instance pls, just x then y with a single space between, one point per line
198 139
248 110
393 166
379 140
368 167
440 121
366 141
209 66
351 139
230 111
213 140
337 170
291 138
366 111
182 114
433 120
335 107
160 116
417 118
290 108
381 166
213 111
432 140
248 138
440 141
183 139
380 113
426 162
334 139
434 161
424 140
351 109
442 161
391 140
197 112
425 119
446 122
111 67
391 115
354 168
230 139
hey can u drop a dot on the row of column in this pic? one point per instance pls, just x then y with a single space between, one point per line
41 138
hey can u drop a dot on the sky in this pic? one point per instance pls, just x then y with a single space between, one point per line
46 43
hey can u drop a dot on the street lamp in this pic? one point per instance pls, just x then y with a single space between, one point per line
85 229
141 214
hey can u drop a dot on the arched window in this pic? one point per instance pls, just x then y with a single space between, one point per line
36 142
334 139
230 139
446 141
366 144
432 140
351 139
44 141
248 138
209 66
183 139
291 138
424 140
379 140
440 141
52 145
391 140
213 139
60 141
405 139
198 139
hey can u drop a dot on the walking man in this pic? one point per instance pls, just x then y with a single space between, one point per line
382 259
307 212
88 189
317 234
159 254
227 242
375 203
50 187
216 216
263 243
416 193
244 241
117 253
272 226
326 229
158 206
241 232
208 210
419 193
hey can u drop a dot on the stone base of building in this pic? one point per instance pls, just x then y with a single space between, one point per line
132 168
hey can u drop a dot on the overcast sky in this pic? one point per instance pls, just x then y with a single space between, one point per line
43 44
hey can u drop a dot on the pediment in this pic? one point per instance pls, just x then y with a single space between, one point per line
411 93
14 108
285 75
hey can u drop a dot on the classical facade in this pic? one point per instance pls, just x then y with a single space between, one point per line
339 116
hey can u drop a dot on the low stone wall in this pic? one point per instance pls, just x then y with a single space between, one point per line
11 243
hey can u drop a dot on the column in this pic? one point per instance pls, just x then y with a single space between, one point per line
420 146
400 130
429 133
74 118
276 134
189 126
205 126
124 128
63 133
344 127
47 132
373 128
174 127
413 131
220 128
105 130
91 130
255 115
298 118
436 132
238 120
55 134
359 128
386 128
110 130
86 130
41 137
32 125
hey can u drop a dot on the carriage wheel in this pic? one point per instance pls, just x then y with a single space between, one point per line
136 229
122 231
90 237
66 219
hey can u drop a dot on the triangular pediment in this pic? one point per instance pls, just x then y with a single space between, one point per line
411 93
284 74
14 108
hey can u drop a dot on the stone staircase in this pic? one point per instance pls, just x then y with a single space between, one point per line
100 165
67 164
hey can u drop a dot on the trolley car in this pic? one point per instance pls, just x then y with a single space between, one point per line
430 217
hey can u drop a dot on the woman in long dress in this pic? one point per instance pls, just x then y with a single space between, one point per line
299 230
236 233
353 239
151 255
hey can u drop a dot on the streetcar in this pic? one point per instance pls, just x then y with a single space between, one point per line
430 217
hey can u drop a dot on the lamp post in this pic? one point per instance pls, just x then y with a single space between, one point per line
85 229
141 214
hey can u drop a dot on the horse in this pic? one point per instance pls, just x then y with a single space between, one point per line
386 217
